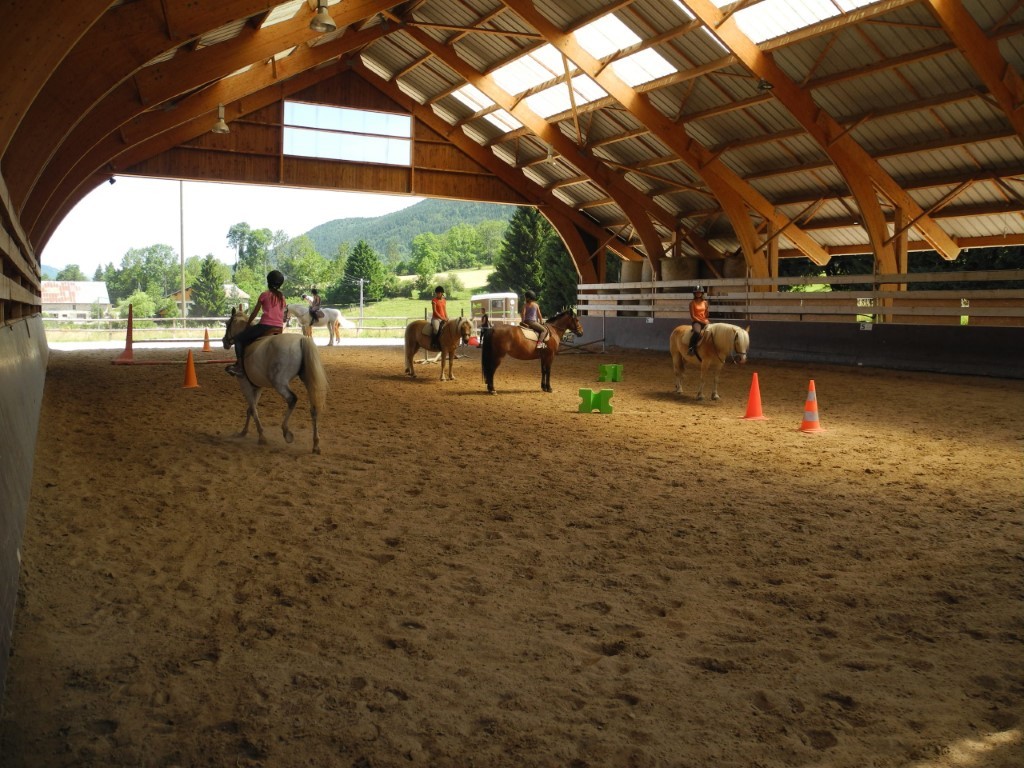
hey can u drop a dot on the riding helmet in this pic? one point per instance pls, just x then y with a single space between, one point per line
530 296
275 280
698 289
439 289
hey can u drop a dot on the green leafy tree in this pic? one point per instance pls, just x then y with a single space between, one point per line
142 305
363 268
460 248
254 248
519 266
208 298
71 272
155 270
304 267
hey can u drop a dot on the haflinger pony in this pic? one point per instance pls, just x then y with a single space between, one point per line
331 320
718 342
418 334
521 343
273 361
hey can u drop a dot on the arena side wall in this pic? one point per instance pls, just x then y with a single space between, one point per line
23 357
971 350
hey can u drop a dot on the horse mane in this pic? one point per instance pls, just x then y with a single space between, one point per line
565 311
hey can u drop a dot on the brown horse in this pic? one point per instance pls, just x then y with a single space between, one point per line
453 332
512 340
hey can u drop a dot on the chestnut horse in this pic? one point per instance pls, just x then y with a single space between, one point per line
512 340
718 342
453 332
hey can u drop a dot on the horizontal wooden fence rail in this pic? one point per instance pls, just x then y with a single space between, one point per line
979 298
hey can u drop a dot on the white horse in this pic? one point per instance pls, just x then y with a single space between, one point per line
273 361
331 320
717 342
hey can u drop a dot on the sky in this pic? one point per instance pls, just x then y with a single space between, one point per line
137 213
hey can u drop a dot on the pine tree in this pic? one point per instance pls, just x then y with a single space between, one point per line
560 278
208 298
363 264
519 267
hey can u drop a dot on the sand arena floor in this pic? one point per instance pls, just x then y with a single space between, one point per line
471 580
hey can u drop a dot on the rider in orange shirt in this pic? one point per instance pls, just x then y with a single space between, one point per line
698 316
439 313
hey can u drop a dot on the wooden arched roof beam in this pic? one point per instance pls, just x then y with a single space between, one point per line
120 42
863 175
1001 80
23 39
168 80
720 180
233 92
639 210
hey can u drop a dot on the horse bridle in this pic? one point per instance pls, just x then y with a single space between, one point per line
733 354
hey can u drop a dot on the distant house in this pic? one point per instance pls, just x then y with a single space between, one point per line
75 300
234 294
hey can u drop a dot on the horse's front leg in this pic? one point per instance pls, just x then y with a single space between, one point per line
252 397
444 358
677 369
703 375
714 383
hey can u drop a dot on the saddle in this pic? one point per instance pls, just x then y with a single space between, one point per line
529 333
434 340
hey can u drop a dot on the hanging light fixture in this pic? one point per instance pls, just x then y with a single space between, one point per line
763 86
220 126
322 22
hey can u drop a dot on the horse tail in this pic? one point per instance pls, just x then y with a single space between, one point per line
488 360
313 374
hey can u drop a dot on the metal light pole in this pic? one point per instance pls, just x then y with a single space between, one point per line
181 218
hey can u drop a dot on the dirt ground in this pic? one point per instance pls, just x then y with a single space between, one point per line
469 580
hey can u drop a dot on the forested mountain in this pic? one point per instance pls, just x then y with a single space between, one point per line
391 233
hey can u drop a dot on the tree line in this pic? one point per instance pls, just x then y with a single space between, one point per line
525 252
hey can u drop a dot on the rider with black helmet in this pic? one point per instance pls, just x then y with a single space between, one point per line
273 305
698 316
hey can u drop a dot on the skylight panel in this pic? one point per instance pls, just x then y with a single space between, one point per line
769 19
642 67
504 120
530 70
473 97
605 36
555 99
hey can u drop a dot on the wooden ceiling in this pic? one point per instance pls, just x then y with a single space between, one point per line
889 128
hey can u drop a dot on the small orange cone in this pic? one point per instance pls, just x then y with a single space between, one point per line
127 356
190 373
754 401
206 341
810 422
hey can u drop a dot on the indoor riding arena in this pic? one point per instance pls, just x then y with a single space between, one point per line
821 568
463 579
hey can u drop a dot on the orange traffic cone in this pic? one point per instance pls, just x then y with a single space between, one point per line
206 341
190 373
754 401
810 422
127 356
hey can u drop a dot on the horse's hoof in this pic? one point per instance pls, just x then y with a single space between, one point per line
316 449
715 397
288 437
699 398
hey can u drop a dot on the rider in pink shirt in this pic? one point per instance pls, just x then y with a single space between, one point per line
273 305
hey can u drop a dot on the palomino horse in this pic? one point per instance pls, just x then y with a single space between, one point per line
273 361
418 334
331 320
717 342
511 340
